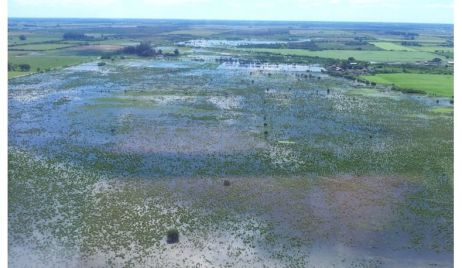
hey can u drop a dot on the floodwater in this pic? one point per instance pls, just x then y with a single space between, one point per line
103 160
207 43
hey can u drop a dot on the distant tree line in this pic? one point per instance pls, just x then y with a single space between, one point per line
411 43
407 35
356 43
23 67
77 36
144 49
361 38
449 43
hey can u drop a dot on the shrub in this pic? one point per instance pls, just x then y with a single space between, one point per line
24 67
143 49
76 36
226 183
173 236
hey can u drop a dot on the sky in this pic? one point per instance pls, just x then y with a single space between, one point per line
427 11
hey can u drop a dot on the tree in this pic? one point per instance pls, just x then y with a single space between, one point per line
76 36
144 49
173 236
24 67
22 37
176 52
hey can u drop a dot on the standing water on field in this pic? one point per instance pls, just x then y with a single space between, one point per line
104 160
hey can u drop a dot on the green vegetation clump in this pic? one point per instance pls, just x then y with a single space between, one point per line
173 236
144 49
23 67
77 36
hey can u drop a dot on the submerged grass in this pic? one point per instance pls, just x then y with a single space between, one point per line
127 175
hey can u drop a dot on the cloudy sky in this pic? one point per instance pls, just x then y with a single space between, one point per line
431 11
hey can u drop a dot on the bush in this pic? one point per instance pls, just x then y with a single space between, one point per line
408 90
24 67
76 36
226 183
101 63
143 50
173 236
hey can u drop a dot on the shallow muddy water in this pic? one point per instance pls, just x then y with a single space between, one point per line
103 160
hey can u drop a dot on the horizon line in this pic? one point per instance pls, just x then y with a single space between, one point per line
240 20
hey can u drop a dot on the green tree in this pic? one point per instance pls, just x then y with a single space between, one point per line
24 67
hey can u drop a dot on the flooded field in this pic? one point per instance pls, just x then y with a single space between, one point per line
323 171
228 43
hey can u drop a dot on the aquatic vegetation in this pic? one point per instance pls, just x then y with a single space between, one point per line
102 170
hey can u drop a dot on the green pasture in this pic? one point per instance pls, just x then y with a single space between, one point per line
41 47
395 46
432 84
13 39
44 62
362 55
